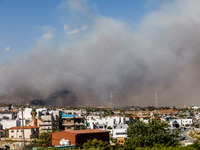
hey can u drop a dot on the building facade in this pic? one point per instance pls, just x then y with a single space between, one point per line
72 121
79 137
29 132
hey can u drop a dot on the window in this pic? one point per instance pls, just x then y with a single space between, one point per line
68 120
20 136
122 133
12 130
12 136
100 127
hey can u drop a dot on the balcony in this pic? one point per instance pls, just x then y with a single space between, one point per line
67 116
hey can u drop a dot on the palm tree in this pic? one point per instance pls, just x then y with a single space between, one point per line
33 113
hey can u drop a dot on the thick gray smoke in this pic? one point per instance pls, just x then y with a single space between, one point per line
112 58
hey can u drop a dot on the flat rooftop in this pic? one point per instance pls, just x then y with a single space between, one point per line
86 131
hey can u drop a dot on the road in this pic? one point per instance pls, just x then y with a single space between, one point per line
189 138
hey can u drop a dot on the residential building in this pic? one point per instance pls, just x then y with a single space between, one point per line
181 122
47 122
6 124
105 122
72 121
7 114
29 132
50 123
120 133
26 113
79 137
36 122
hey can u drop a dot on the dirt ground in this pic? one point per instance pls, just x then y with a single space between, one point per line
12 144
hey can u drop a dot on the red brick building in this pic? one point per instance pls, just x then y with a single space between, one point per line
79 137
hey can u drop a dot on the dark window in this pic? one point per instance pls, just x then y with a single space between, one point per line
100 127
68 120
122 133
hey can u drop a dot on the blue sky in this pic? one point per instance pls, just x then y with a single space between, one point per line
137 47
23 22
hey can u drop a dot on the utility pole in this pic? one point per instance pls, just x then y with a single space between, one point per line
23 126
0 130
52 122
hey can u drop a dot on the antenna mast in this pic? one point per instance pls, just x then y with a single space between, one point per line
111 99
156 100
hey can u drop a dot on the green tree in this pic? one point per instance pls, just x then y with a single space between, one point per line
187 125
96 144
33 113
44 139
122 111
149 135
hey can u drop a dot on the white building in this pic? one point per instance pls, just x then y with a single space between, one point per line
42 111
8 114
120 131
6 124
105 122
29 132
182 122
26 114
195 107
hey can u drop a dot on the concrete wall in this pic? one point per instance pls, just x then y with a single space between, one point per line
26 113
18 133
8 123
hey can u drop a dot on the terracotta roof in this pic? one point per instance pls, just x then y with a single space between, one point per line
86 131
26 127
138 116
14 111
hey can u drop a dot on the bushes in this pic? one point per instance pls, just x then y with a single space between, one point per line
95 144
149 135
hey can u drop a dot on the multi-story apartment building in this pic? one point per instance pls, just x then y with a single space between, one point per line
73 121
105 122
8 114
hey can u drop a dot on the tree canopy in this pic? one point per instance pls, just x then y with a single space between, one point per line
151 134
96 144
44 139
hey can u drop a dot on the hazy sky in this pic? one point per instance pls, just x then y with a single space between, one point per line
84 50
23 22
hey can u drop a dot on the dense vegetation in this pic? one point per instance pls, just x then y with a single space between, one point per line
150 135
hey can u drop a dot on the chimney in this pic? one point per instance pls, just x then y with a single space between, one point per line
35 122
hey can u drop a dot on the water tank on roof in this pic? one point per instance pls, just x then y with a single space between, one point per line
64 142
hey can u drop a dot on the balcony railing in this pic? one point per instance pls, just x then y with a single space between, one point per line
67 116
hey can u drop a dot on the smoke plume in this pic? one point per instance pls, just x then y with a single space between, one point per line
114 63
